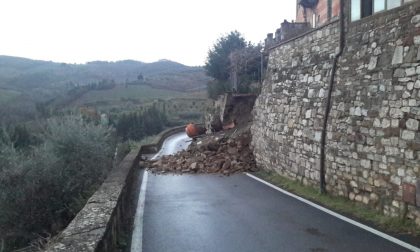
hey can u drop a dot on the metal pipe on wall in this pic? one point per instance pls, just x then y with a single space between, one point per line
329 98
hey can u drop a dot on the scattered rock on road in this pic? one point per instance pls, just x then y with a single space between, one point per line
211 154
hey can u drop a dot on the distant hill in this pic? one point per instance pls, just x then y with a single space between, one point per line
20 73
25 82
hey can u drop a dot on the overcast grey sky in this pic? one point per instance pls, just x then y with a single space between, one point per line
77 31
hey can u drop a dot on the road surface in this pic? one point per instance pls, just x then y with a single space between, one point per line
174 144
237 213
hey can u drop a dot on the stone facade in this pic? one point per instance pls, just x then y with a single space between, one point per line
286 31
324 11
373 137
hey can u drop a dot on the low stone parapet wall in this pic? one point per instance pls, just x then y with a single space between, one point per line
108 214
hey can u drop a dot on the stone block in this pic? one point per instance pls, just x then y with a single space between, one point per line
395 204
321 93
365 174
406 95
409 193
398 88
365 163
374 197
357 111
396 113
409 154
377 123
410 86
395 123
401 172
311 93
372 63
308 114
415 19
418 54
399 73
408 135
412 124
416 40
406 79
365 200
410 71
397 58
318 135
395 180
386 123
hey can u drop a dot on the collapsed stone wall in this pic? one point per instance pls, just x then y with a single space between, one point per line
229 108
373 138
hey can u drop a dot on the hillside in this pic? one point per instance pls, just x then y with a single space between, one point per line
22 74
24 83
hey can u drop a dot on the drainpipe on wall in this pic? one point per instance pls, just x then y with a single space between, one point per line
262 66
329 99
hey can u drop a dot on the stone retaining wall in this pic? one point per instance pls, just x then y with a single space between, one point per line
108 215
289 111
373 137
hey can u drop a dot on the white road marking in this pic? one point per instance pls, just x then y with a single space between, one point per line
137 237
339 216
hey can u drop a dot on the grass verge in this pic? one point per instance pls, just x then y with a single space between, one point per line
344 206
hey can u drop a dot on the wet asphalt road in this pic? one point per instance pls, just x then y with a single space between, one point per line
237 213
174 144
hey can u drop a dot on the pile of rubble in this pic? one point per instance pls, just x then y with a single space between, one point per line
213 154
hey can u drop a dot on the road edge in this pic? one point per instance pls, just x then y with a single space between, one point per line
137 244
339 216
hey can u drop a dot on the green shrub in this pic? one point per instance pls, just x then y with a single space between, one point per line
41 192
216 88
136 126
